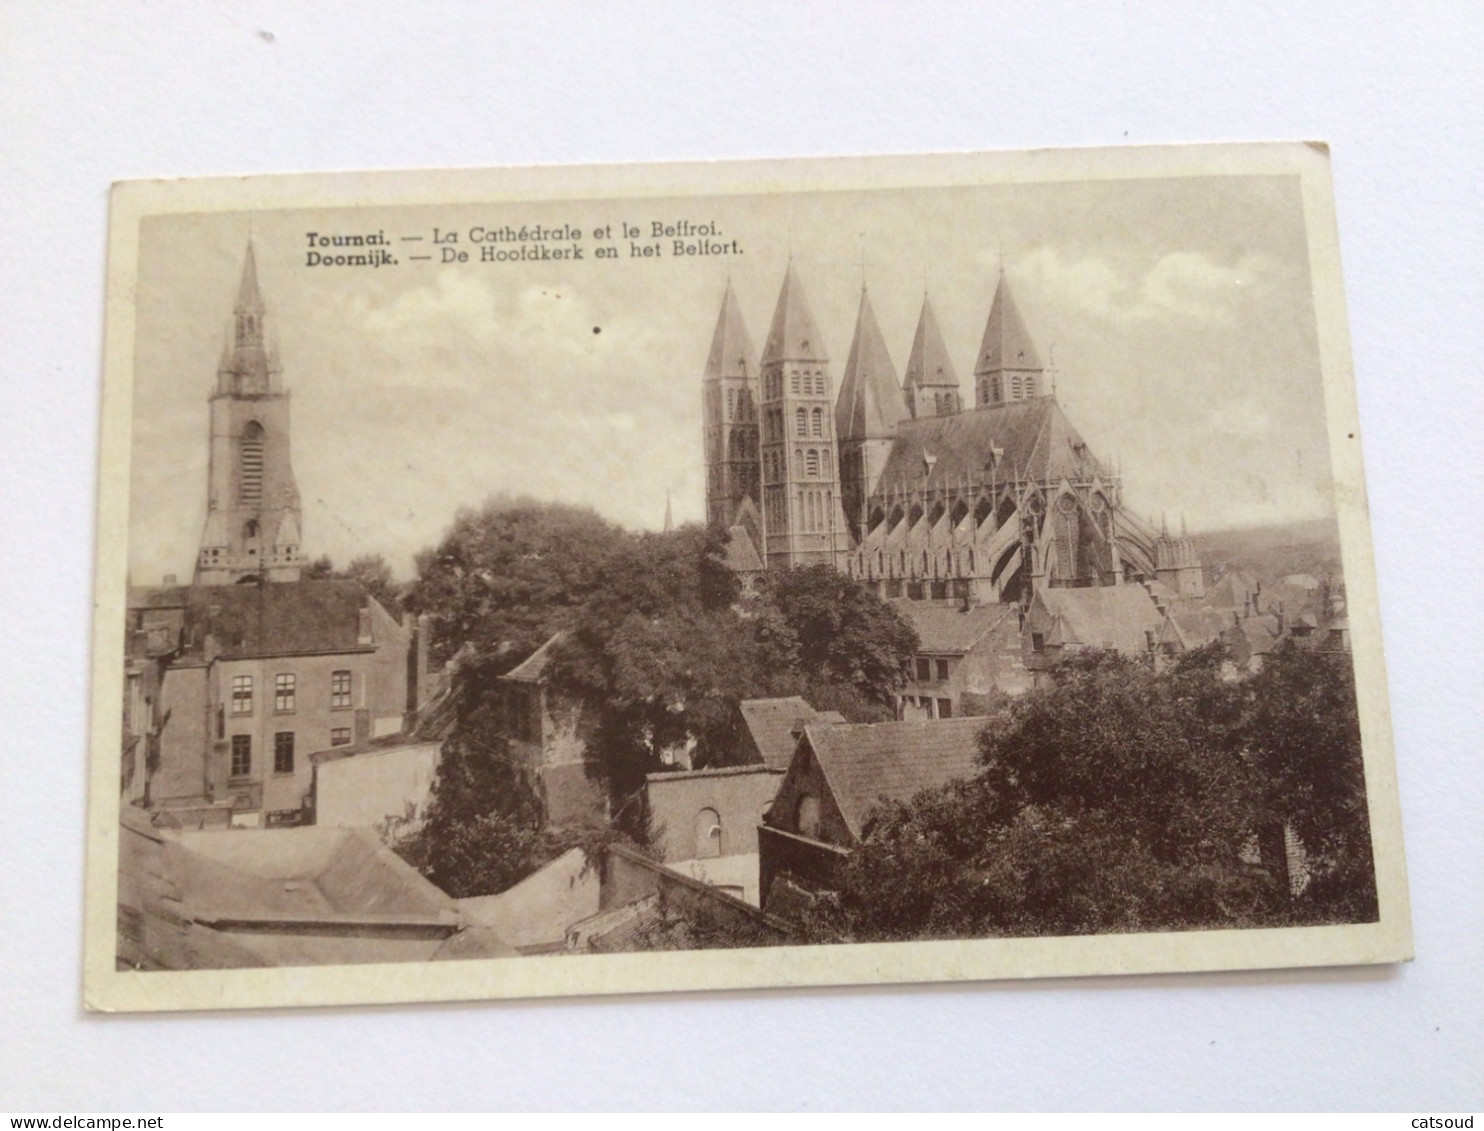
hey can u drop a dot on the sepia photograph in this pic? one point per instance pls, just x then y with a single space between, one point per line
555 581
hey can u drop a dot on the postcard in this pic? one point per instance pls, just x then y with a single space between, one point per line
568 581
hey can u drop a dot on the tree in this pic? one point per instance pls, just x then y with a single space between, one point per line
843 638
1119 799
509 575
371 570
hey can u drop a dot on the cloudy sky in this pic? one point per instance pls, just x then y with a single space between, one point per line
1178 312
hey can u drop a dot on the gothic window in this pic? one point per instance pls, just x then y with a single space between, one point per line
819 382
251 487
1015 388
250 529
793 381
731 403
801 422
996 389
811 462
1030 387
818 423
984 392
971 560
924 563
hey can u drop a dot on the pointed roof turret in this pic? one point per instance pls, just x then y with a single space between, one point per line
669 518
249 299
929 364
870 404
793 335
732 353
1006 344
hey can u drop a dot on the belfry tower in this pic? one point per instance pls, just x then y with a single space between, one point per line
729 413
802 518
1008 368
253 518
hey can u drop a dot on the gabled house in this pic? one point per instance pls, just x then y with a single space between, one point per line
966 659
838 774
1061 622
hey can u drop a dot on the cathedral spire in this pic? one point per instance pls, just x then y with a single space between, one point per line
793 335
870 404
931 383
1008 367
732 353
249 299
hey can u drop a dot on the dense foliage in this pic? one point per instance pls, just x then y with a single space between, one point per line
1121 799
657 651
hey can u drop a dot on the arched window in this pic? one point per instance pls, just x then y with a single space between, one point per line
1030 387
996 389
251 486
1015 388
818 426
806 816
801 421
819 382
708 834
971 559
811 463
793 381
924 563
984 392
250 529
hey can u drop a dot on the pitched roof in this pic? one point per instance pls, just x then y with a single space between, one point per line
793 335
741 555
1031 438
870 404
732 353
1192 628
537 911
1006 343
283 897
929 363
1104 616
533 668
771 722
948 628
867 763
268 619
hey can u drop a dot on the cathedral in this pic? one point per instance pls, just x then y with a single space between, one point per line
898 482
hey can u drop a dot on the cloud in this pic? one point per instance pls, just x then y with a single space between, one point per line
1181 287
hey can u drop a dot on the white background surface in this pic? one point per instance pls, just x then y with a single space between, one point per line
91 93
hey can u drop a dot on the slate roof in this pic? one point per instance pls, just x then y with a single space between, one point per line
771 723
793 336
1103 616
867 763
269 619
870 405
950 629
1006 343
929 364
1030 438
732 353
